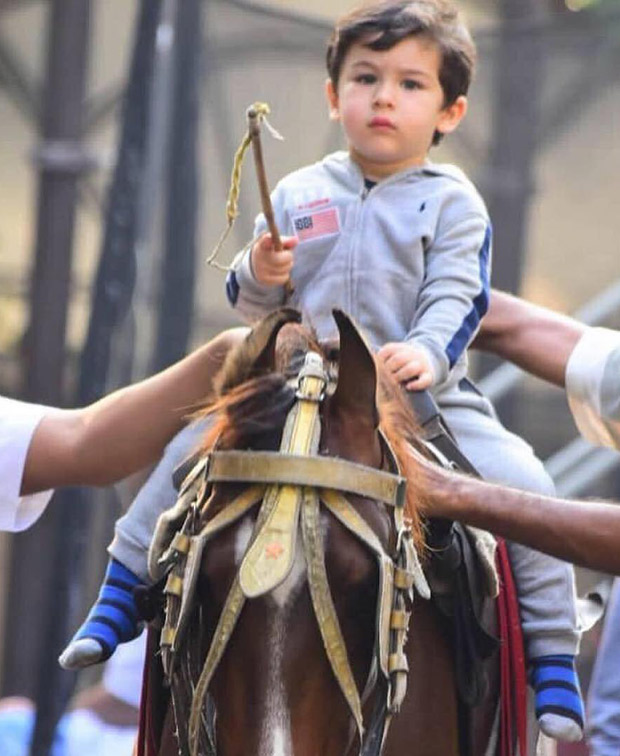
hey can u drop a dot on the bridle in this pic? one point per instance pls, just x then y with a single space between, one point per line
290 487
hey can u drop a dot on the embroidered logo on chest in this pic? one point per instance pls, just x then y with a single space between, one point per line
314 225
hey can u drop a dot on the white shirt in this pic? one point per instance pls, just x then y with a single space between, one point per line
593 386
18 422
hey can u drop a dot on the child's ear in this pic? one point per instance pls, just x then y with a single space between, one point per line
452 115
332 100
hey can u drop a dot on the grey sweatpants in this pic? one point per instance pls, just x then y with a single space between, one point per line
545 585
604 692
133 531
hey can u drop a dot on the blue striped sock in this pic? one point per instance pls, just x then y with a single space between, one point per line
559 706
113 618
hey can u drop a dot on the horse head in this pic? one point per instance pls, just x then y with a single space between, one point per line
307 566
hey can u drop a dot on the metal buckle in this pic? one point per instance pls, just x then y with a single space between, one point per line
312 368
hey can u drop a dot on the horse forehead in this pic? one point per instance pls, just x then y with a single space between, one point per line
292 343
349 562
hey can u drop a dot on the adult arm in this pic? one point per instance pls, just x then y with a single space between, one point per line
586 533
126 430
563 351
586 360
535 338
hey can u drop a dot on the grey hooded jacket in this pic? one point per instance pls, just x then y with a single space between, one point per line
409 260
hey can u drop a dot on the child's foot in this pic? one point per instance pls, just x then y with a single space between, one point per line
112 620
559 706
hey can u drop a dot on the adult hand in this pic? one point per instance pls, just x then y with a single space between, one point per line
271 267
408 364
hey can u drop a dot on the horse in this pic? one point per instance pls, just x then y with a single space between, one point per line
310 657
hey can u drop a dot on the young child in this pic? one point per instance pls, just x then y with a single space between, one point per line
403 245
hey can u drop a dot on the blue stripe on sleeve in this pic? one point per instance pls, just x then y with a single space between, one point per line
460 340
232 287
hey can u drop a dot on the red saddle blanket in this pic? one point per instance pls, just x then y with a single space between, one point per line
153 701
513 682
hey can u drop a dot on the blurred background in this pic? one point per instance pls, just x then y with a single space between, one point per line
118 124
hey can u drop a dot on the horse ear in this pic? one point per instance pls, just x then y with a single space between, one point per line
255 355
357 374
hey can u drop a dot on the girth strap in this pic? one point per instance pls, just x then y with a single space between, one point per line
297 470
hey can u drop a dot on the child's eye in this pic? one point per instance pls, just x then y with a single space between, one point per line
411 84
366 78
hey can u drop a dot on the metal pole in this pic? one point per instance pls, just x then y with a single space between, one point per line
139 325
116 274
61 160
176 302
509 184
113 292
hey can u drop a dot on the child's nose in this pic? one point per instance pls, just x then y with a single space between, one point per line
384 93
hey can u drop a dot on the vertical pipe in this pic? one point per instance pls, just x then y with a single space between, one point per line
61 159
510 184
112 297
175 311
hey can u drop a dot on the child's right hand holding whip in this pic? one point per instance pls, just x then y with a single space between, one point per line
272 267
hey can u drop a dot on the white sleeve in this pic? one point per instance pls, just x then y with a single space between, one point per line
593 386
18 422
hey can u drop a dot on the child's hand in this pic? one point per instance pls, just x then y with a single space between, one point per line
272 268
408 364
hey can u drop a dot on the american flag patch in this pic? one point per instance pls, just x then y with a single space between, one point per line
314 225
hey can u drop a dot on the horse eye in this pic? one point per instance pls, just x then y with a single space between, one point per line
332 354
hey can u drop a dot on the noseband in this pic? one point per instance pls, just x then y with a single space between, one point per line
291 486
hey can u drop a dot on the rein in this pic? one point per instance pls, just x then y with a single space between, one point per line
290 486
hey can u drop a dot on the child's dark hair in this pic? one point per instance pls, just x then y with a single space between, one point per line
383 24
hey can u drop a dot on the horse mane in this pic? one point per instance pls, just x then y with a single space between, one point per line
398 423
246 414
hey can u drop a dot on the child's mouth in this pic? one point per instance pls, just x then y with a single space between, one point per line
380 122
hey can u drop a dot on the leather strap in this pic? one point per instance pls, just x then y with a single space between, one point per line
225 626
268 562
228 619
324 608
355 523
298 470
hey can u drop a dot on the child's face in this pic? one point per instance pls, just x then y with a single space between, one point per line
390 103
